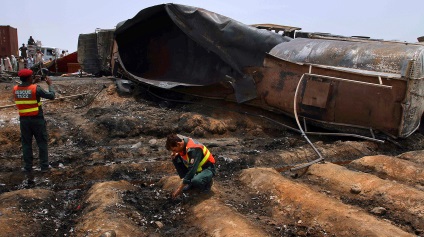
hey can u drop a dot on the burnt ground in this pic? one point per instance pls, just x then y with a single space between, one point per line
112 173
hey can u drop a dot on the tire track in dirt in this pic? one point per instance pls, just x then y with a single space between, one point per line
414 156
316 208
391 168
401 202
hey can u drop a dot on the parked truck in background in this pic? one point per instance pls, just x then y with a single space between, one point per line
50 53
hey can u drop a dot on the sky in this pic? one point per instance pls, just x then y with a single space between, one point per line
58 23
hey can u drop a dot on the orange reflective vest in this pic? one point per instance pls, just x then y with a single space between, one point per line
26 100
207 155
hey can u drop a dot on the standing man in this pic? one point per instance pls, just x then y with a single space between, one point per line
194 163
32 123
39 58
31 41
7 64
30 61
14 63
23 50
1 64
62 54
21 63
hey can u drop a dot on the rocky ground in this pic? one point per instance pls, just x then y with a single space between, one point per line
112 174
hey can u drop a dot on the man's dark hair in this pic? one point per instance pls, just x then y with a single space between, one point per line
24 79
172 140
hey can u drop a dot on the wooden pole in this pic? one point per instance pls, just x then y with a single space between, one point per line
44 100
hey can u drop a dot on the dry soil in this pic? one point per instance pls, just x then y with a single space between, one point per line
112 175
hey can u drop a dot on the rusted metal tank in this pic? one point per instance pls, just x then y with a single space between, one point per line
378 56
104 49
350 85
95 50
88 56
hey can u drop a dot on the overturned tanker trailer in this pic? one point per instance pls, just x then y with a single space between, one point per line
359 86
351 85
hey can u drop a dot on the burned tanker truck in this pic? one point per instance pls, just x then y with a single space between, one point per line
353 85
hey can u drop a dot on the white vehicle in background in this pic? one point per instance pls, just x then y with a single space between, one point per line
50 53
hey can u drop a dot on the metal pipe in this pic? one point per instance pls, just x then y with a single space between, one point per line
346 135
297 118
340 124
347 80
306 164
92 99
45 101
372 133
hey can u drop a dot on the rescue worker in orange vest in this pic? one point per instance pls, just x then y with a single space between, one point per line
27 98
193 161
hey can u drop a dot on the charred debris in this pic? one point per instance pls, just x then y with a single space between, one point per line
354 86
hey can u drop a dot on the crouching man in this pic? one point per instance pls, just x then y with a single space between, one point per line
194 163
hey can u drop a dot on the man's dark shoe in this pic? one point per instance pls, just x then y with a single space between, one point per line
47 170
187 187
30 180
25 170
208 187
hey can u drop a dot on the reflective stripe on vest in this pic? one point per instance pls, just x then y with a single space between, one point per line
26 100
207 156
